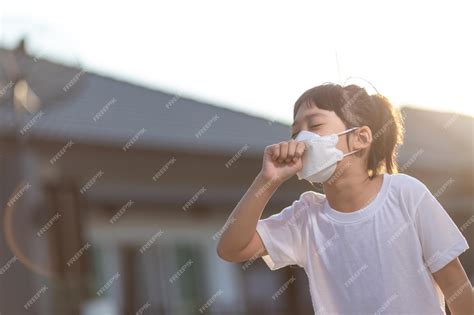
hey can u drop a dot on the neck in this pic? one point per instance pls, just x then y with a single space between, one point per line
352 191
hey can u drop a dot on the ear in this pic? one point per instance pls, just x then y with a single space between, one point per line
362 138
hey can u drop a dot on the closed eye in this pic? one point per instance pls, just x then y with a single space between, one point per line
311 127
293 136
315 126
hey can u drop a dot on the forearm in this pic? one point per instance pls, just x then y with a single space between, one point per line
460 299
456 287
242 222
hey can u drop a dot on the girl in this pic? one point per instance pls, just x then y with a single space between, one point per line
376 241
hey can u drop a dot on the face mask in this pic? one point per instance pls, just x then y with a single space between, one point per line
321 155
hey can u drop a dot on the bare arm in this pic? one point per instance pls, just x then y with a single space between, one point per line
457 289
240 240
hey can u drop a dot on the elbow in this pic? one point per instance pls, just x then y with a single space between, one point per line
224 255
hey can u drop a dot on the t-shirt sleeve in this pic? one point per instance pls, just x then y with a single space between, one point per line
440 238
282 235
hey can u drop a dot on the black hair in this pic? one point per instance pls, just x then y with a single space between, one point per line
355 107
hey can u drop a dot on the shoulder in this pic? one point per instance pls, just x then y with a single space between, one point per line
407 189
406 181
296 214
312 199
308 199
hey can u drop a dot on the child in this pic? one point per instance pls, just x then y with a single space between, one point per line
376 241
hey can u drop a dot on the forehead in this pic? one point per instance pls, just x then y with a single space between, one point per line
306 112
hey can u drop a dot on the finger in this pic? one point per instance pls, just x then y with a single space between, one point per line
300 148
274 150
291 150
283 151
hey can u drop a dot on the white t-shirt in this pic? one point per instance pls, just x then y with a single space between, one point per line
377 260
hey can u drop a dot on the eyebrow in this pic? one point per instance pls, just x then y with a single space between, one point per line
307 117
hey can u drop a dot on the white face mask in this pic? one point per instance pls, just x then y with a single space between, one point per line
321 155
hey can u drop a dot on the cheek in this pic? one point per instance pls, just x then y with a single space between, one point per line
342 144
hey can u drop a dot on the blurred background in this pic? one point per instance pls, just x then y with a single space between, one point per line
128 132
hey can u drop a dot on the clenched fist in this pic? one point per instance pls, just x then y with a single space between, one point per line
282 160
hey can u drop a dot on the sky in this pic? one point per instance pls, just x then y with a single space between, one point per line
260 56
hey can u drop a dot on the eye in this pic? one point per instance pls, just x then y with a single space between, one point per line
310 127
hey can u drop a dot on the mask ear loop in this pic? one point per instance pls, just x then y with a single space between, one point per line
347 131
349 153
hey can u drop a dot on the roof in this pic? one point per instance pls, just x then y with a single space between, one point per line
437 139
102 110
